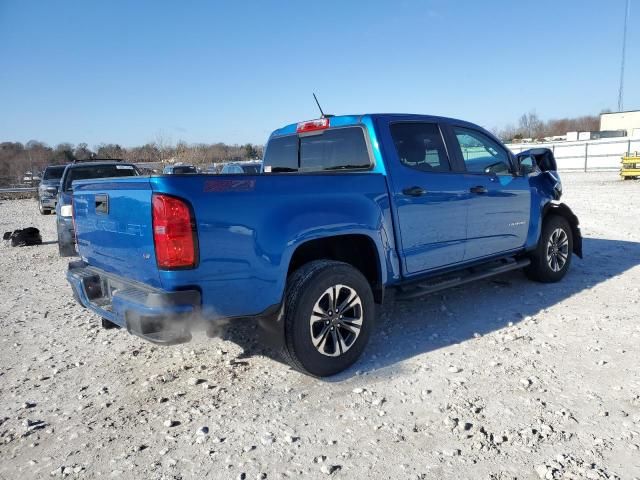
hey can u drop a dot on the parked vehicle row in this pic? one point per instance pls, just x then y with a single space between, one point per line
55 189
345 209
249 167
48 188
179 169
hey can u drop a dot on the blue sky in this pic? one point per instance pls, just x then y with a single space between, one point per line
125 72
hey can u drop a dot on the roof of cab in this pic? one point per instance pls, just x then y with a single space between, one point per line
346 120
97 163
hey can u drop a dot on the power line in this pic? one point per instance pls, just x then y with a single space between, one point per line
624 51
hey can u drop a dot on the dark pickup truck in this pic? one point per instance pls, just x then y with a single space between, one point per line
345 209
48 188
82 171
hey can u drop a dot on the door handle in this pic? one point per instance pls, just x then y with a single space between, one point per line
414 191
478 189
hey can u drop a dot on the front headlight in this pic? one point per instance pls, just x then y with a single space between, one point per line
558 190
556 184
66 211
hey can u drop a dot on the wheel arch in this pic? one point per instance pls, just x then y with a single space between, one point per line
357 249
562 210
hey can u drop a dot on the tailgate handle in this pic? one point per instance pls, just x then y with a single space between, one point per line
102 203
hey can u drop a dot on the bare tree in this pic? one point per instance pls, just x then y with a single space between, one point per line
507 133
162 143
110 150
145 153
531 126
16 159
82 152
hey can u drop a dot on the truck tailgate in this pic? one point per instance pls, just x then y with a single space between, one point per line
113 223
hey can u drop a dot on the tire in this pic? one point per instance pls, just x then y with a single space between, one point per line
66 246
66 250
552 257
108 324
43 211
310 289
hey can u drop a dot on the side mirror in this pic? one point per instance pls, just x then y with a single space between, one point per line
541 158
526 164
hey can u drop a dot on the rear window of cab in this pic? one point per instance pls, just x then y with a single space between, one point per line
333 149
90 172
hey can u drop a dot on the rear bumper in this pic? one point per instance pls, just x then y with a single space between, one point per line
156 315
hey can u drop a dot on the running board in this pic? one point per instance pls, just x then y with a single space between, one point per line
458 278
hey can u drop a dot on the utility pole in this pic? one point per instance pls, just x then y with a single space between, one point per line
624 51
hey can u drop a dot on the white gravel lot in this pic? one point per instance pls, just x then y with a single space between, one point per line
501 379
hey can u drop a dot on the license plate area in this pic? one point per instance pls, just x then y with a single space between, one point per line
100 290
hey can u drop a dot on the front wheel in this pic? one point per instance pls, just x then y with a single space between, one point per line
552 257
108 324
329 315
43 211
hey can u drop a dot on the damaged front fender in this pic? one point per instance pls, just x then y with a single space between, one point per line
561 209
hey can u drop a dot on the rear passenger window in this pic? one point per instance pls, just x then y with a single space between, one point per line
334 149
419 145
282 154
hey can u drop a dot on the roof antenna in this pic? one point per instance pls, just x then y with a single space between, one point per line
320 108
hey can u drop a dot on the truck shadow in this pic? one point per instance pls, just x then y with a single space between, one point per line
409 328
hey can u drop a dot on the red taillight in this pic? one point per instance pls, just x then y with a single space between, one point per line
313 125
173 233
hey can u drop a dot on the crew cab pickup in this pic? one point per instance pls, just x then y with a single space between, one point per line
344 209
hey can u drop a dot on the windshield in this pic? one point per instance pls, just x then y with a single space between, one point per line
54 173
98 171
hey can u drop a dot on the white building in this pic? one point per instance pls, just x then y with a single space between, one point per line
628 121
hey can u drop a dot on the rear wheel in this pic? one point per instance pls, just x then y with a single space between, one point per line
329 315
552 257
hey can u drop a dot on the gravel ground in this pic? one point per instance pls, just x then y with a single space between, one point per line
501 379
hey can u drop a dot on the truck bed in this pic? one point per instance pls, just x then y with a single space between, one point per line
247 229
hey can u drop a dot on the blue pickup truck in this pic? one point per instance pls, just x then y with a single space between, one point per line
345 209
